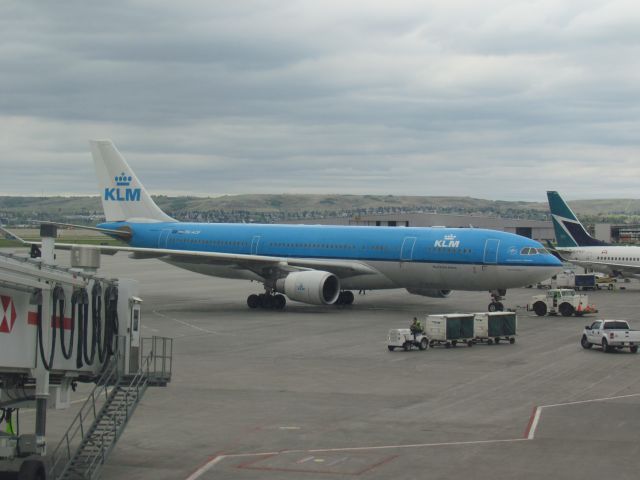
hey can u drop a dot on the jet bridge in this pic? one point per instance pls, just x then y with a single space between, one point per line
60 326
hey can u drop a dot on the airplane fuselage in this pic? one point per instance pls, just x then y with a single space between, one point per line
622 260
413 258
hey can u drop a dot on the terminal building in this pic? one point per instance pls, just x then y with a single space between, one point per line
535 229
540 230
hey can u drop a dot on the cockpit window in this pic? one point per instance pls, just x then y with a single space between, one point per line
534 251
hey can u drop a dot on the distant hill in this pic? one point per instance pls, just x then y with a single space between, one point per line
271 208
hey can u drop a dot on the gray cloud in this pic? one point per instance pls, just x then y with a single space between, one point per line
497 99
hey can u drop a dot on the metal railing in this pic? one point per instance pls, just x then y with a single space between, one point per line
155 369
159 351
86 417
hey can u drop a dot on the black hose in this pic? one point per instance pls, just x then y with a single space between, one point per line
46 364
111 323
96 319
80 300
58 296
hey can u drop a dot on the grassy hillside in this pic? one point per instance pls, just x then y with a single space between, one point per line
287 207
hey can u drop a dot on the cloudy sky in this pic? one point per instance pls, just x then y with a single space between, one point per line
497 99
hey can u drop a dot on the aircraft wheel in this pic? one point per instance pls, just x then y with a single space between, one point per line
492 307
253 301
499 307
279 302
348 297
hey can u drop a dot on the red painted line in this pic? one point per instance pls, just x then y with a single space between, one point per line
32 319
530 424
379 464
252 466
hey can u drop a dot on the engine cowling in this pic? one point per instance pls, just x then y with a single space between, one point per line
429 292
315 287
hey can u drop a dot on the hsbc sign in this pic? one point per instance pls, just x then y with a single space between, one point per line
8 314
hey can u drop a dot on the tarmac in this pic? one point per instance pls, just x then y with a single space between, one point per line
313 393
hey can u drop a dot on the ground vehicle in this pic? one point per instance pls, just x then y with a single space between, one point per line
563 301
575 280
492 327
610 335
403 338
570 279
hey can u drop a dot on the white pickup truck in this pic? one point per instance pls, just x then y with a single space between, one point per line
610 334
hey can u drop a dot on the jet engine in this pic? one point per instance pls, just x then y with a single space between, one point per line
429 292
314 286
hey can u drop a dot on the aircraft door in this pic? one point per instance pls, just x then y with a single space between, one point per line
406 253
164 238
491 251
254 244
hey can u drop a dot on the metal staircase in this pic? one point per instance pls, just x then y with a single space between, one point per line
93 434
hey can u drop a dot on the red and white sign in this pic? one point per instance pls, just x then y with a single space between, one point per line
7 313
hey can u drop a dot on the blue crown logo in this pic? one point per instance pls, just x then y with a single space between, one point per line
122 180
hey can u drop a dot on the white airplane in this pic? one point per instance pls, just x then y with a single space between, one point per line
315 264
576 246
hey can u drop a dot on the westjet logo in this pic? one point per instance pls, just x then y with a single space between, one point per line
117 194
449 241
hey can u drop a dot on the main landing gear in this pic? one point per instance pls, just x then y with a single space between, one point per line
268 301
496 304
345 297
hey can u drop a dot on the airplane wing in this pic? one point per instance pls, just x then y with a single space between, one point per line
260 264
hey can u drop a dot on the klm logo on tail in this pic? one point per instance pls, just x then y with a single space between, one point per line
122 192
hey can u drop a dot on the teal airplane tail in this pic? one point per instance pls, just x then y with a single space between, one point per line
568 229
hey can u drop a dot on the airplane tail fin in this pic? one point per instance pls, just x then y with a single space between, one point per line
568 229
124 198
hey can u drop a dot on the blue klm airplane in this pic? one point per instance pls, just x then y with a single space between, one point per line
315 264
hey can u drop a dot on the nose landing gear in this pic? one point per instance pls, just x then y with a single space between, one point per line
496 304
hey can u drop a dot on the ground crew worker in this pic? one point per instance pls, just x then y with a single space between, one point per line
8 418
416 327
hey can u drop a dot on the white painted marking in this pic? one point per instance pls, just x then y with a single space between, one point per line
534 424
289 428
305 460
603 399
530 436
187 324
205 468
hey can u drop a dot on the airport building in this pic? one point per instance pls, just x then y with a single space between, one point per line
625 234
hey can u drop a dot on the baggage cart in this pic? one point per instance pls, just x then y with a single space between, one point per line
493 327
449 329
